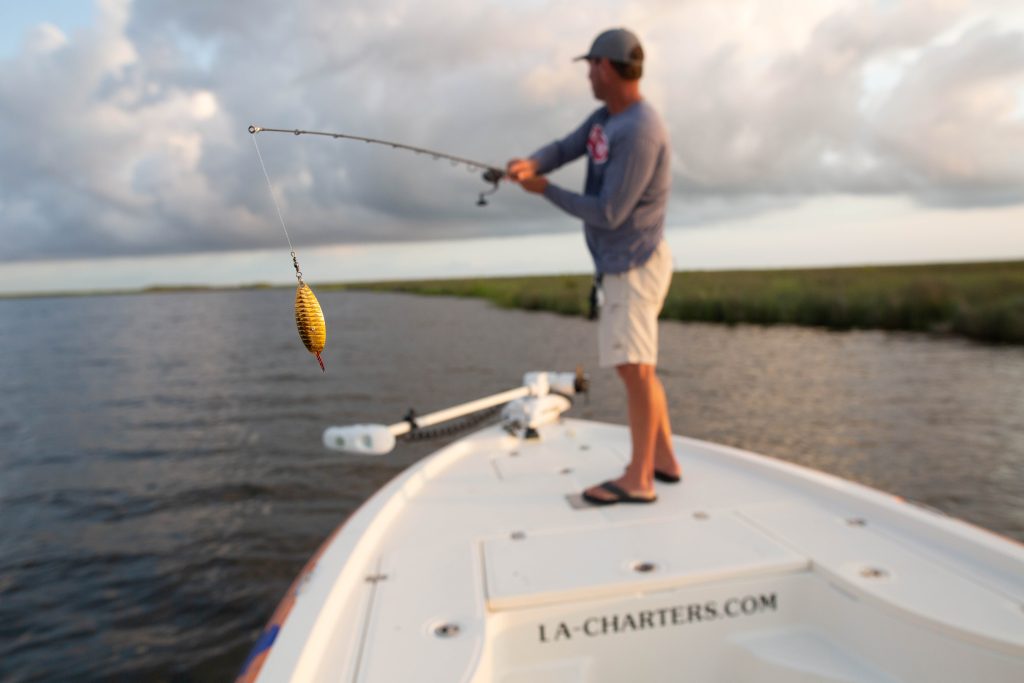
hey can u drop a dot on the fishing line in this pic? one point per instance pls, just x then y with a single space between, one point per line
491 174
273 199
309 317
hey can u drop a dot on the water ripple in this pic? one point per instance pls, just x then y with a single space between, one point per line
160 488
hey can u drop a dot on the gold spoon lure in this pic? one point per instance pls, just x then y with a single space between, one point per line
309 317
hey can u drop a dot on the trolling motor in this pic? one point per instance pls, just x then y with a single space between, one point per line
542 398
492 174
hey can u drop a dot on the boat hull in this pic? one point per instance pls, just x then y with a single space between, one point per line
480 563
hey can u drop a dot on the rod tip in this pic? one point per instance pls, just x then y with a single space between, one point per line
254 129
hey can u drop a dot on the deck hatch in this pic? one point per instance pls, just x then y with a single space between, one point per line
601 561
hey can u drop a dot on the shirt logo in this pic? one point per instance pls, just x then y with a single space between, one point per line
597 144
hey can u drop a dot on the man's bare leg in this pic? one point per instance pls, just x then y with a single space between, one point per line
649 430
664 454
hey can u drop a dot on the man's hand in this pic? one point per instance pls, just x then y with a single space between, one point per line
521 169
536 184
524 172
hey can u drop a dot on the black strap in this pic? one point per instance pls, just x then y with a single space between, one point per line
594 308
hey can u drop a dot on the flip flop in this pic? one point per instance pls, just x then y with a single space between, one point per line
667 478
621 496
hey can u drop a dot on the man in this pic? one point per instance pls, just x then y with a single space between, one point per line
623 211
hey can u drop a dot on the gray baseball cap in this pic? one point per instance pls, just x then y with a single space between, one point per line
618 45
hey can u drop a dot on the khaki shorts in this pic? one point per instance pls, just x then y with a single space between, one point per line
628 325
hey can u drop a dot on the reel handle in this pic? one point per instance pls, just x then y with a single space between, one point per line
493 176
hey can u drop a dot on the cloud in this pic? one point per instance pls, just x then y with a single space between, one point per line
795 122
129 137
955 126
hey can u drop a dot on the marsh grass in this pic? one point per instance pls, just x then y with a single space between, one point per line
982 301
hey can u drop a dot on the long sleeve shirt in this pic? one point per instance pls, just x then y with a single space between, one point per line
626 192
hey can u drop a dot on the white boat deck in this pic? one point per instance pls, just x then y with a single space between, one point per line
479 564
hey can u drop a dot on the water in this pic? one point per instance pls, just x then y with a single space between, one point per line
162 479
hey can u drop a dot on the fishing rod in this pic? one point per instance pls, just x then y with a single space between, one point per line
491 174
309 317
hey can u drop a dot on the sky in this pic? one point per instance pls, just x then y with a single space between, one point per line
804 133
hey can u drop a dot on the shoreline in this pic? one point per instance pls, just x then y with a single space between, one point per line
979 301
